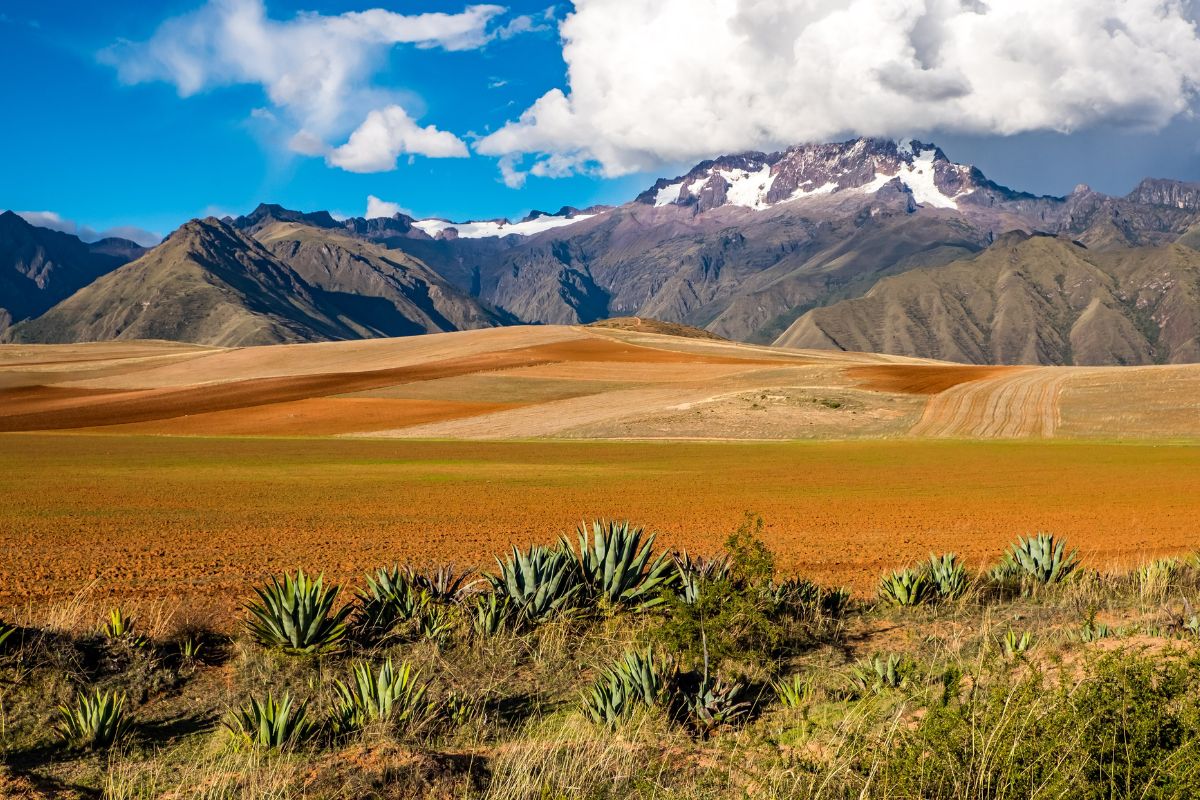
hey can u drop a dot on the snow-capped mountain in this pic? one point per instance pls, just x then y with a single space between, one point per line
760 181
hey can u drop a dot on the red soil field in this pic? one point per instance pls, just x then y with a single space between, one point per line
199 521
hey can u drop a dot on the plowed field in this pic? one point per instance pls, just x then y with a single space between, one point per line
199 520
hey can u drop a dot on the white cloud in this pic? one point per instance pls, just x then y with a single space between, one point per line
384 135
55 222
382 208
316 69
677 80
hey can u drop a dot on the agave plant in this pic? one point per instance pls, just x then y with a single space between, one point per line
388 600
96 720
1041 559
459 709
120 628
444 584
540 583
388 696
692 573
490 613
795 691
615 565
1014 645
948 576
271 724
875 674
715 705
907 587
634 679
1155 579
297 615
435 621
6 631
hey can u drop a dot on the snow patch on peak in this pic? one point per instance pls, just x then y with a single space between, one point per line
807 190
668 194
918 176
483 230
748 189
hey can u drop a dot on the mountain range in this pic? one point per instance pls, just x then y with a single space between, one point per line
868 244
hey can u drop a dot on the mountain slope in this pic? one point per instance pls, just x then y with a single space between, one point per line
207 283
1026 300
375 291
40 267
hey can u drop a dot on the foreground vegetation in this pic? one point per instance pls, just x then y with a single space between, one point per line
604 667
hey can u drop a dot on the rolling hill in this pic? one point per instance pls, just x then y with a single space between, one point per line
210 283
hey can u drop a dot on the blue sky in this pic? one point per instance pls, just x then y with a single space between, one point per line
99 135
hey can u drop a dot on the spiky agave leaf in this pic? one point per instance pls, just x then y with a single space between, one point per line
387 696
907 587
540 582
948 575
297 616
794 691
1041 559
444 584
270 723
96 720
877 673
691 573
6 631
388 599
715 705
615 566
491 612
634 679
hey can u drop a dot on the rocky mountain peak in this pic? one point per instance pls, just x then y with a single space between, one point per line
762 180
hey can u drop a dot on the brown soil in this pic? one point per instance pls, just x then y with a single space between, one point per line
920 378
147 518
48 408
317 416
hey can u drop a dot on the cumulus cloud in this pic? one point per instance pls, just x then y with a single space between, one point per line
55 222
382 208
384 135
676 80
316 69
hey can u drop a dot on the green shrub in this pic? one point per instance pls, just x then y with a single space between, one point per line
390 696
271 724
615 566
95 721
297 616
120 628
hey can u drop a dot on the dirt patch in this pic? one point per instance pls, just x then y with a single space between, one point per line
648 325
920 378
317 416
